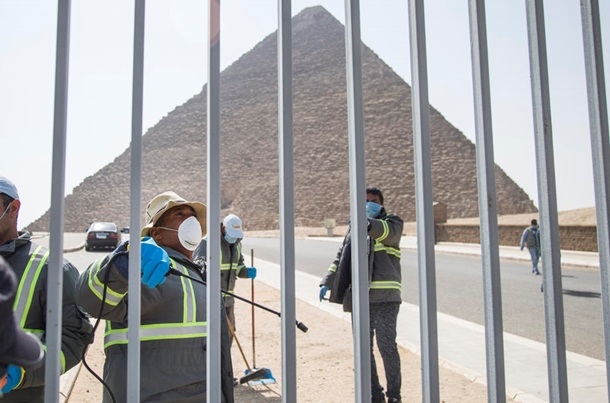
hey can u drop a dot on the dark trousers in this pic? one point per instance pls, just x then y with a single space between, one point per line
383 317
231 319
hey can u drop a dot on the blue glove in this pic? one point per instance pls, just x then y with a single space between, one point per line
14 378
323 291
251 272
154 262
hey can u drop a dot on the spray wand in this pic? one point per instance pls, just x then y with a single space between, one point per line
300 325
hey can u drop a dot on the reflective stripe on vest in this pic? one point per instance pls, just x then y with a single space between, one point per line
27 284
161 331
189 312
386 231
230 265
25 293
189 328
97 287
385 285
387 249
225 266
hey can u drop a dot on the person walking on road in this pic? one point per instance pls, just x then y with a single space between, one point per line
531 239
30 264
231 261
384 233
173 325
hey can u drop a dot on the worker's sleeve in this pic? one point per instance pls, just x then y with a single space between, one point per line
75 331
328 279
101 290
523 237
241 273
386 230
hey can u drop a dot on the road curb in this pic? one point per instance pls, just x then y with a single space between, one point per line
75 249
66 382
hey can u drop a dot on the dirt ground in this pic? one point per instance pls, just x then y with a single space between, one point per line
325 364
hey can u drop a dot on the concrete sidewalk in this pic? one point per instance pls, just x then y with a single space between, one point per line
568 257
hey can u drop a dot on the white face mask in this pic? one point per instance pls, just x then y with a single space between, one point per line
230 239
189 233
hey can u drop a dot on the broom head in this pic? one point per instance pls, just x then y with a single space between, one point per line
258 376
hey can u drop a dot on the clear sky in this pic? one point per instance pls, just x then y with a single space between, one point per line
99 109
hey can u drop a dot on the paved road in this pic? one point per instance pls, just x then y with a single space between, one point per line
459 291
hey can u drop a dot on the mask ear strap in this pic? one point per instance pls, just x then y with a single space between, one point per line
5 210
156 235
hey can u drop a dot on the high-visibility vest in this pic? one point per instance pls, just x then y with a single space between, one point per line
188 328
25 294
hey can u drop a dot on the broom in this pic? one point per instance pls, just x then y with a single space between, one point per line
267 378
250 374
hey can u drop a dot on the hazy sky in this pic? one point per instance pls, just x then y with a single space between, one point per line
99 109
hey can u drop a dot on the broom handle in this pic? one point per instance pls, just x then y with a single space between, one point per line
252 298
230 326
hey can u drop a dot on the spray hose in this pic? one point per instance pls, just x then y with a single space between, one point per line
300 325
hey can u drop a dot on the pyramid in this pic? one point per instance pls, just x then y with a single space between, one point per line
174 149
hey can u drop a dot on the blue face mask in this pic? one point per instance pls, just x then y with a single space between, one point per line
230 239
372 209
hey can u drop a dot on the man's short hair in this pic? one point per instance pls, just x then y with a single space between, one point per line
6 199
376 192
534 222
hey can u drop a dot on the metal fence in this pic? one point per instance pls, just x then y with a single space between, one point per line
556 349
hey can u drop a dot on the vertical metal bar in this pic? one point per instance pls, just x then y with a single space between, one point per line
424 203
133 315
547 196
600 151
360 314
213 212
286 176
55 263
488 209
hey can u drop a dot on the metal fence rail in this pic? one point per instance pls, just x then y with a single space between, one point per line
600 151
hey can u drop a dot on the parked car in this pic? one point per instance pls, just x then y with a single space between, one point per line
102 235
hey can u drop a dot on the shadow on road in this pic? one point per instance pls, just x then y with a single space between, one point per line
583 294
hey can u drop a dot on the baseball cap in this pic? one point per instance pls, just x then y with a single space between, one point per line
16 346
160 204
7 187
232 225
